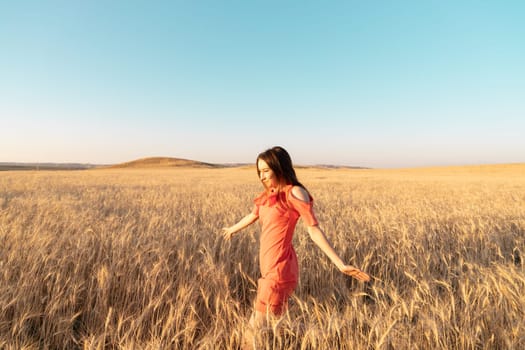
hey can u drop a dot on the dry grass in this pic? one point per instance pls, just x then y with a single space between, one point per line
133 259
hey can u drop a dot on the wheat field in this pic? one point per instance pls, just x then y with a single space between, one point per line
133 259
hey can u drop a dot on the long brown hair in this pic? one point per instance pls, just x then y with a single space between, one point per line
280 162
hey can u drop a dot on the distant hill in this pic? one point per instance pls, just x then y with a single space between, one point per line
164 162
149 162
170 162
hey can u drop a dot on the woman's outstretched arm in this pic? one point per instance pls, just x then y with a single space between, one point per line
319 238
317 235
249 219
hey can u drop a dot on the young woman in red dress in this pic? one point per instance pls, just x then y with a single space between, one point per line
278 209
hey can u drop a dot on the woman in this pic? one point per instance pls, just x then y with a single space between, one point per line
279 207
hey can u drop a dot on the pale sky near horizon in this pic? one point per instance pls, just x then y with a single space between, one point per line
362 83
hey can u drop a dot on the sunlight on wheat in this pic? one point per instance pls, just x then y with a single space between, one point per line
133 259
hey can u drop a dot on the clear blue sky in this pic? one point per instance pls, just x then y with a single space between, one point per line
365 83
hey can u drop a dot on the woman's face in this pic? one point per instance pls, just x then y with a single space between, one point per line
266 175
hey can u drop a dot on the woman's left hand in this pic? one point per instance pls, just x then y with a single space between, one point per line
355 273
227 233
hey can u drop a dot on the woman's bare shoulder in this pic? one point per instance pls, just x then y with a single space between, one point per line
301 194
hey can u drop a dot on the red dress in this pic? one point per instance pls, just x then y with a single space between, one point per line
278 214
